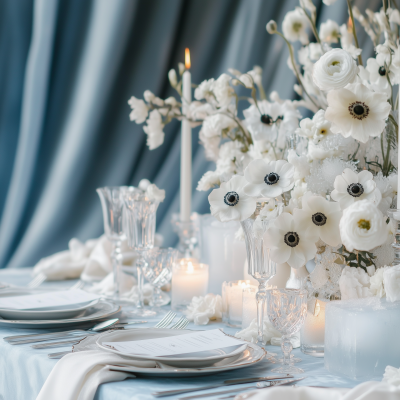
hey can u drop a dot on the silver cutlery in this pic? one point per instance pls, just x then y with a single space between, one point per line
41 337
225 383
78 285
259 385
163 323
37 281
182 323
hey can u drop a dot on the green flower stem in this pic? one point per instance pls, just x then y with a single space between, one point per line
313 27
354 30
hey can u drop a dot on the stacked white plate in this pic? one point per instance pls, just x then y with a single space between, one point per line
201 363
52 316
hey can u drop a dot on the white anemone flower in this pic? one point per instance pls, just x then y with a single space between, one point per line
290 241
268 120
324 215
268 179
357 111
294 26
334 70
363 227
230 202
351 187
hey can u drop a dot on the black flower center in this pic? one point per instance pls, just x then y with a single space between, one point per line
319 219
266 119
231 199
292 239
382 71
358 110
271 178
355 189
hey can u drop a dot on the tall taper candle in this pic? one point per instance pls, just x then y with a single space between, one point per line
186 145
398 161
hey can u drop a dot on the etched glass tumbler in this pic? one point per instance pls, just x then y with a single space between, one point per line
261 267
139 227
287 311
112 203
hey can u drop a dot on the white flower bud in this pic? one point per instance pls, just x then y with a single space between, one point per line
272 27
173 80
148 96
181 68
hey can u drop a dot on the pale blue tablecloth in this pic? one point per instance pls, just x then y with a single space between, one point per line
24 370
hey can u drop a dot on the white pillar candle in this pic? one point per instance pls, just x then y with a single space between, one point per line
186 145
232 300
189 279
313 330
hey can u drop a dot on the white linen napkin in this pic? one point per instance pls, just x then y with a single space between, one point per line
364 391
77 376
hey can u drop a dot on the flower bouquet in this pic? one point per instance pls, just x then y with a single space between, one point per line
317 175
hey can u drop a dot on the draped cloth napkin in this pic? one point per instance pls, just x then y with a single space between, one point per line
77 376
364 391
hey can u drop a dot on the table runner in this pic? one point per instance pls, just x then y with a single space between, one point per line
23 370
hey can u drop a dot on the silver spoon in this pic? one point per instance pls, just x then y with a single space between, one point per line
42 337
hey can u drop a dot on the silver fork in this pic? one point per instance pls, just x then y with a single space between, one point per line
182 323
78 285
167 320
37 281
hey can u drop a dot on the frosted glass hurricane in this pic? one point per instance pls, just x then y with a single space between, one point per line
112 203
139 227
287 311
261 268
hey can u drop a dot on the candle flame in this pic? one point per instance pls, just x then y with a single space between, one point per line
349 25
187 58
317 308
190 268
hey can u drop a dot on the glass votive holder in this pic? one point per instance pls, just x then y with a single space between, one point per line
312 334
189 279
232 294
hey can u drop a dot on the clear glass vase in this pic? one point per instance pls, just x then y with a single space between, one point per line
139 227
261 267
112 203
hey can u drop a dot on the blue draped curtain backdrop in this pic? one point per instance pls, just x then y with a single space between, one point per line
67 69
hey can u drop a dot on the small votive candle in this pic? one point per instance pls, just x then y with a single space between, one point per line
232 302
312 334
189 279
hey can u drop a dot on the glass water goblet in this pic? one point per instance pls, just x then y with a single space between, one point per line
139 227
287 311
112 203
158 271
261 268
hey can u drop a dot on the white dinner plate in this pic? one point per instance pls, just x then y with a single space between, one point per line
190 360
60 312
249 357
101 311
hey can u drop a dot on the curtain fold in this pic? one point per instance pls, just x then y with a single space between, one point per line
67 69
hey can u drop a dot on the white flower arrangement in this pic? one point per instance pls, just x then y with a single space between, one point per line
327 181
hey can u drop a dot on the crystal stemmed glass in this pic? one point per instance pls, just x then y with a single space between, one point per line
158 271
112 203
287 311
261 267
139 227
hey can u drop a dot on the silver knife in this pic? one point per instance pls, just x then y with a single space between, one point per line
259 385
226 383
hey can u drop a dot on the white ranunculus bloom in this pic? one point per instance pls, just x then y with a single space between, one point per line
357 111
351 187
334 70
377 287
363 227
290 241
294 26
271 119
230 202
324 215
329 31
154 130
268 179
354 283
391 280
139 110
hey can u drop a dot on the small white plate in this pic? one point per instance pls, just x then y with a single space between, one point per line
251 356
62 312
192 360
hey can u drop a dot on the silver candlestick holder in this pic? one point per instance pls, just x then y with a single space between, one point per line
188 232
394 215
